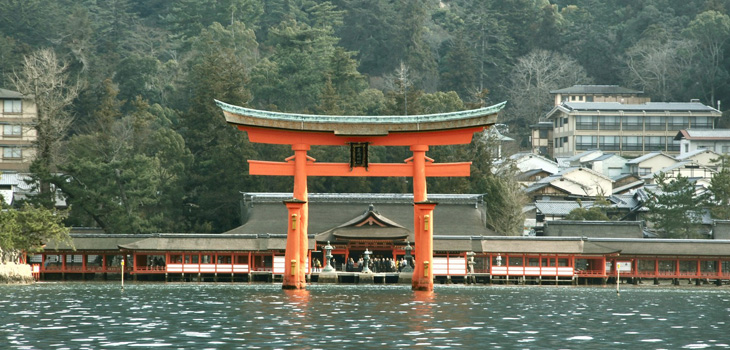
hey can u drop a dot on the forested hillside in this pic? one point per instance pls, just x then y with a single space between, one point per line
139 145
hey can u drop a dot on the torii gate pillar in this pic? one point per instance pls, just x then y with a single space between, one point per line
422 223
295 266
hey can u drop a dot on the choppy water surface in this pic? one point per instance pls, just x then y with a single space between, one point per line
251 316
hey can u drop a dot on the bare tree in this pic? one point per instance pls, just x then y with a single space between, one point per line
659 68
534 76
45 79
710 30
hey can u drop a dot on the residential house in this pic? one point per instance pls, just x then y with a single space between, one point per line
619 208
609 164
530 161
690 140
572 183
527 178
541 138
551 210
699 174
626 183
650 163
13 186
702 156
17 116
581 158
592 182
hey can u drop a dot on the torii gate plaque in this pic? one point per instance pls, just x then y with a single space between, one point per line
359 132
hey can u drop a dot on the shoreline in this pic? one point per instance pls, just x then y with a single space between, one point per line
12 273
623 286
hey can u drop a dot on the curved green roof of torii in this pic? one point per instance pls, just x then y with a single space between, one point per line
361 125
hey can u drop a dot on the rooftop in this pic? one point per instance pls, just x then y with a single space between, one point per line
361 125
691 154
715 134
560 208
649 106
597 90
4 93
646 157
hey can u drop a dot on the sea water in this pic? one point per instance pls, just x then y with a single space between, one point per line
263 316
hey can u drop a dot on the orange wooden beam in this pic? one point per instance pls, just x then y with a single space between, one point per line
257 167
290 137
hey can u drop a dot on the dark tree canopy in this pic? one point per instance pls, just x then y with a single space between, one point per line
146 124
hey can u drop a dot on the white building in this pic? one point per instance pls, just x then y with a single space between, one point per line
690 140
17 117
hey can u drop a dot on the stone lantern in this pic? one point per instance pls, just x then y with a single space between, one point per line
327 258
366 261
409 258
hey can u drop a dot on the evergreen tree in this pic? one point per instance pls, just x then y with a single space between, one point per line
675 208
719 199
27 229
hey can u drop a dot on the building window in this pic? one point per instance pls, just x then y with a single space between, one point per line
586 142
656 123
632 143
572 98
12 131
654 143
678 123
586 122
12 106
610 122
12 153
700 123
644 171
609 143
673 145
725 149
589 98
543 133
631 123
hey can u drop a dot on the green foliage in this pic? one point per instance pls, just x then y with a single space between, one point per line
29 228
124 173
169 60
719 199
675 208
590 214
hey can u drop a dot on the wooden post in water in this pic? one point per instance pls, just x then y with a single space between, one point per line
618 278
122 273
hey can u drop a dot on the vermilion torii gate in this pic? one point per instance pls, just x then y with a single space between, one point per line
359 132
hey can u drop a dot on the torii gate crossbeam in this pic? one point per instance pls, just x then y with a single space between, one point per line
302 131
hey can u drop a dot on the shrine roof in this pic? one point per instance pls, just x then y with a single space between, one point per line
361 125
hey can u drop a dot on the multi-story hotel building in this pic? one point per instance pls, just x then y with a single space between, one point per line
17 116
615 119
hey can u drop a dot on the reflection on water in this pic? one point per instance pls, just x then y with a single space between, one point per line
100 316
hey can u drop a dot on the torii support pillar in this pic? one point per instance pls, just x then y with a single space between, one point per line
423 226
295 267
